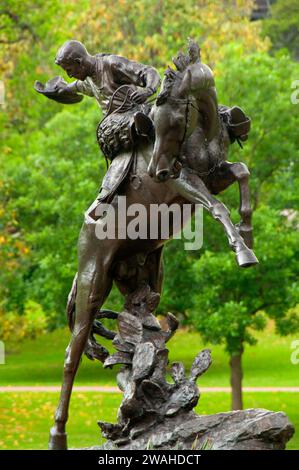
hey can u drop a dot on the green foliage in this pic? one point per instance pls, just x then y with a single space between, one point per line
261 84
154 31
231 304
283 26
59 169
15 328
30 34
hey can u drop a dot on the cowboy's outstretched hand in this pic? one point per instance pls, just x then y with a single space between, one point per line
140 96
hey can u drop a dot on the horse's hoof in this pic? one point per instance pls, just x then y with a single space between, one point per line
57 440
246 258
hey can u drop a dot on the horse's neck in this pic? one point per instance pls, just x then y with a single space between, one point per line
201 155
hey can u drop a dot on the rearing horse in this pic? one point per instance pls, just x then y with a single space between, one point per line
188 130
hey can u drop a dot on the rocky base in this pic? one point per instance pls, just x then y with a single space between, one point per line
158 414
252 429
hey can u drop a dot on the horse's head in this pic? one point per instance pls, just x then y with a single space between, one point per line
175 117
187 100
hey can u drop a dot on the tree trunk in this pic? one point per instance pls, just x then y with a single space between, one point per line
236 375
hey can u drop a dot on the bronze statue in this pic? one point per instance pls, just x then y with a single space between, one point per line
172 149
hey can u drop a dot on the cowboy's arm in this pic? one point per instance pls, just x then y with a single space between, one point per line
80 86
130 72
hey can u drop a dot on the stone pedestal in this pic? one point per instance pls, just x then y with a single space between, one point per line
252 429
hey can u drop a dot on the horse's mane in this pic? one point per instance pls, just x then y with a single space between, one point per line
181 62
206 98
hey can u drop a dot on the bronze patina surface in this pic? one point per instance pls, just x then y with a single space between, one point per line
170 150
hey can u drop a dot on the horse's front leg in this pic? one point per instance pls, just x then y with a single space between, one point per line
192 188
224 176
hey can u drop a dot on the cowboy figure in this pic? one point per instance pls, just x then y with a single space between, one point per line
120 86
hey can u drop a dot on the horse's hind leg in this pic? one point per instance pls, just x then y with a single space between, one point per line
241 173
223 177
93 286
192 188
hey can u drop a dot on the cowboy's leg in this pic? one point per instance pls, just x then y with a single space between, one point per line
192 188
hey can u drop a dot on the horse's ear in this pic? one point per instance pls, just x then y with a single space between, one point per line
185 86
144 126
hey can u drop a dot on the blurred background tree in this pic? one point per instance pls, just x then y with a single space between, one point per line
154 31
282 26
51 167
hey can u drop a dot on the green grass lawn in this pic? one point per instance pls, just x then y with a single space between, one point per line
25 418
267 364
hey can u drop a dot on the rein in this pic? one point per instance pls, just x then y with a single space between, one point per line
188 103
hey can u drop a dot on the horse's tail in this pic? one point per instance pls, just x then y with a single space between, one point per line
71 304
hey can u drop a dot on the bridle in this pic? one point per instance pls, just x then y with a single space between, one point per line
188 102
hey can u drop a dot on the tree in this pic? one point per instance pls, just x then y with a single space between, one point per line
283 26
30 35
53 182
154 31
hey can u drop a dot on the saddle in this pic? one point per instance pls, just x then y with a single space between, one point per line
118 136
116 131
122 163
